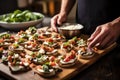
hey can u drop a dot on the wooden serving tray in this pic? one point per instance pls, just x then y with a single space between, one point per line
66 74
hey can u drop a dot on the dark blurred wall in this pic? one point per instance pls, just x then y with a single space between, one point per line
7 6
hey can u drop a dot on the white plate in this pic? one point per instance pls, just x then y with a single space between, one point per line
21 25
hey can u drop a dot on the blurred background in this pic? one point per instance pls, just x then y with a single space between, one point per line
48 7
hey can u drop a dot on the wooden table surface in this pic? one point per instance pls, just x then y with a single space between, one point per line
106 68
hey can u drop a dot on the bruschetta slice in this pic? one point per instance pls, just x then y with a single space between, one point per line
45 70
68 60
85 53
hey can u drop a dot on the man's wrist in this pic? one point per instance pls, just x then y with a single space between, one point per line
63 12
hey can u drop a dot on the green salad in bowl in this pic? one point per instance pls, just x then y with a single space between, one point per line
20 19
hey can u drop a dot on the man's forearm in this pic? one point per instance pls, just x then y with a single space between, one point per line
116 22
66 6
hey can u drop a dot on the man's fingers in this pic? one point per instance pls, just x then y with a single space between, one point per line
97 31
97 39
59 20
54 23
108 39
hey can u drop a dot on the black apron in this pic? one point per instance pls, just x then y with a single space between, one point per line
91 13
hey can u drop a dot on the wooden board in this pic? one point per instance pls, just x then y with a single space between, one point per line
66 74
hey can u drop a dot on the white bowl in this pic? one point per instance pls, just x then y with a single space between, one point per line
70 30
21 25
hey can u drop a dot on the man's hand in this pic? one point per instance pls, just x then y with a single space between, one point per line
58 20
105 35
